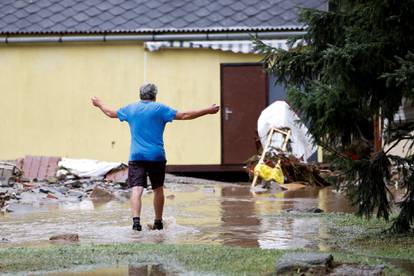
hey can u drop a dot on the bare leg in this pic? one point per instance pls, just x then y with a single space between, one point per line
159 202
136 201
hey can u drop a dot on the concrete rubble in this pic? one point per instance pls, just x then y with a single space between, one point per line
60 185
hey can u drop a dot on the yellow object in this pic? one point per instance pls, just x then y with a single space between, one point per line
268 173
45 106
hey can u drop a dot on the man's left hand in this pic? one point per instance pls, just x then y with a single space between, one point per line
96 101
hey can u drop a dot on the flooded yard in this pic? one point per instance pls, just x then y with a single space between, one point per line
226 214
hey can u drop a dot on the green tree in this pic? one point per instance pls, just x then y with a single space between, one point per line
353 68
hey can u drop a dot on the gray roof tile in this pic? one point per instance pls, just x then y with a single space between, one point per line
19 14
47 23
81 17
77 16
56 8
68 3
227 11
32 8
80 7
92 11
116 2
43 3
34 18
117 11
104 6
19 4
238 6
8 9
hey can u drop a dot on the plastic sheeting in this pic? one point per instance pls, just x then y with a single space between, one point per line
88 167
279 115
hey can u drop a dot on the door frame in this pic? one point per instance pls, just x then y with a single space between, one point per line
236 64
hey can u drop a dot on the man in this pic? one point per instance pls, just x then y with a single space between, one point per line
147 120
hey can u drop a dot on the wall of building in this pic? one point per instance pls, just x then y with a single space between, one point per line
45 104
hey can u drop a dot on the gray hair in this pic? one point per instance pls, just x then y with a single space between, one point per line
148 91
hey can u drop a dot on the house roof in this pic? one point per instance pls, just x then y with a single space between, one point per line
145 16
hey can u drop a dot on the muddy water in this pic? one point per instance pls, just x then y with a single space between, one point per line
196 214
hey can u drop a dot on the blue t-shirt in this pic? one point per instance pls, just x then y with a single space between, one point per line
146 121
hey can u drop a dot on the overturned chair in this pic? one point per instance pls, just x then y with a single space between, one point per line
266 172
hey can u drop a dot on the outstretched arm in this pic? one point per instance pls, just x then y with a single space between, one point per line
189 115
107 111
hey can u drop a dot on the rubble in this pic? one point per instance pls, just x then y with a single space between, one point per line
46 183
4 197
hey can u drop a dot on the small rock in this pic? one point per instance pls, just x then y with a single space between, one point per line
44 190
52 180
89 188
61 174
28 186
4 240
314 210
307 210
359 270
76 193
62 190
65 237
170 196
73 183
302 262
101 194
51 196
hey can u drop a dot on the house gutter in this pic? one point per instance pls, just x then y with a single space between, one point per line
148 37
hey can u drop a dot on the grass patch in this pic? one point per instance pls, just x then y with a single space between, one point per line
198 258
369 236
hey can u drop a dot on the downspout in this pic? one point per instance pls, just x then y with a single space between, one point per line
146 37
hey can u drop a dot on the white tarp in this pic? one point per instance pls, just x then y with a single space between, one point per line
279 114
88 167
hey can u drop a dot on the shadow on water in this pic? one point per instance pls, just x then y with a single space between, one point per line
226 214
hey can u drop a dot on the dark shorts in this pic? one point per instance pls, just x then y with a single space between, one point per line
139 170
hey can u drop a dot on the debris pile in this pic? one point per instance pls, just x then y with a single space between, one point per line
287 147
294 170
44 180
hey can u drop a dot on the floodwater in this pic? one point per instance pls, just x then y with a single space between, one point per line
194 214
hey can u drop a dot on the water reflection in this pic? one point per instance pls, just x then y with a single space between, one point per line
238 217
130 270
149 270
221 214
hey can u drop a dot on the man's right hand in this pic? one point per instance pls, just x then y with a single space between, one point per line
213 109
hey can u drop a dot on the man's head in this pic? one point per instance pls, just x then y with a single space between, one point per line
148 92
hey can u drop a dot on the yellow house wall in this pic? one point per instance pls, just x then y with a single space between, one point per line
46 89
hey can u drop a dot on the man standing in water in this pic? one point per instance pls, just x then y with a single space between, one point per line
147 120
